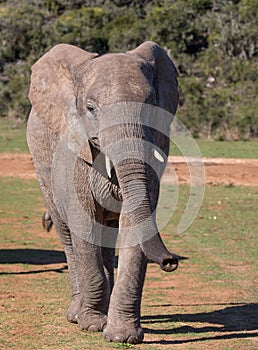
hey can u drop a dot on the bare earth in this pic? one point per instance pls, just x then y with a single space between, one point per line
206 308
239 172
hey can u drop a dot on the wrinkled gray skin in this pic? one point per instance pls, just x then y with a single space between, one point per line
69 83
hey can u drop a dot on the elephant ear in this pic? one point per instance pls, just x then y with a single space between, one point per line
52 89
165 81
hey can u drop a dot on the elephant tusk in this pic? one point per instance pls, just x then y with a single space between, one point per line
108 166
158 156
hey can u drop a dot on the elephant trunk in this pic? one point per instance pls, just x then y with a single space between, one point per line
137 221
128 144
156 252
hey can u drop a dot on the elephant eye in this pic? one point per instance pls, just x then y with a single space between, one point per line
91 108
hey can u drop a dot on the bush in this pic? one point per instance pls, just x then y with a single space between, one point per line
212 42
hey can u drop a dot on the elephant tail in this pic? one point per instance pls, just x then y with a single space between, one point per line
47 222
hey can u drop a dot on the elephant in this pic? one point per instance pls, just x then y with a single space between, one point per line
98 160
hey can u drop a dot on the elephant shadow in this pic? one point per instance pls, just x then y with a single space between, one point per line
32 257
35 257
229 322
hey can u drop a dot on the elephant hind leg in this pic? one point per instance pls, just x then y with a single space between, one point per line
108 253
108 256
66 239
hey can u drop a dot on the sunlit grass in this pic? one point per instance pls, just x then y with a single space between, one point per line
222 149
194 302
13 139
12 136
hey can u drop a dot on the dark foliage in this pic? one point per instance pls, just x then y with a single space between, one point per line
212 42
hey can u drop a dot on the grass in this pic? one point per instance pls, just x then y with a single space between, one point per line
12 136
226 149
210 302
223 149
12 139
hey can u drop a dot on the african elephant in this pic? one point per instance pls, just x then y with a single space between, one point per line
98 160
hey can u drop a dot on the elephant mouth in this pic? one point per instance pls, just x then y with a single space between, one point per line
109 195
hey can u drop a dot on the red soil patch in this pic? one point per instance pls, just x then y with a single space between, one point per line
238 172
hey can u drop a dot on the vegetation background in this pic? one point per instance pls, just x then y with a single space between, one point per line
212 42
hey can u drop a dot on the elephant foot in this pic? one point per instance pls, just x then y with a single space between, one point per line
73 309
92 322
123 334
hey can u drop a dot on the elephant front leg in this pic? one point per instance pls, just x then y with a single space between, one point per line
94 287
123 323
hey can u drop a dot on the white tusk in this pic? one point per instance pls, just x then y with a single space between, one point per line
108 166
158 156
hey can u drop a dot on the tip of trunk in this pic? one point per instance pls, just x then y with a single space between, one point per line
156 252
169 264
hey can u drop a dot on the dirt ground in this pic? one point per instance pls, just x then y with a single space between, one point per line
224 336
238 172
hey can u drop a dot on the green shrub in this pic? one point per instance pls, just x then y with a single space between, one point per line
212 42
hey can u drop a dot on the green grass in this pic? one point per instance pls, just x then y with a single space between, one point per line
223 149
13 139
21 208
227 222
209 302
12 136
226 149
19 197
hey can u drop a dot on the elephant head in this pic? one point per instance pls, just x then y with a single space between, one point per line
114 96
